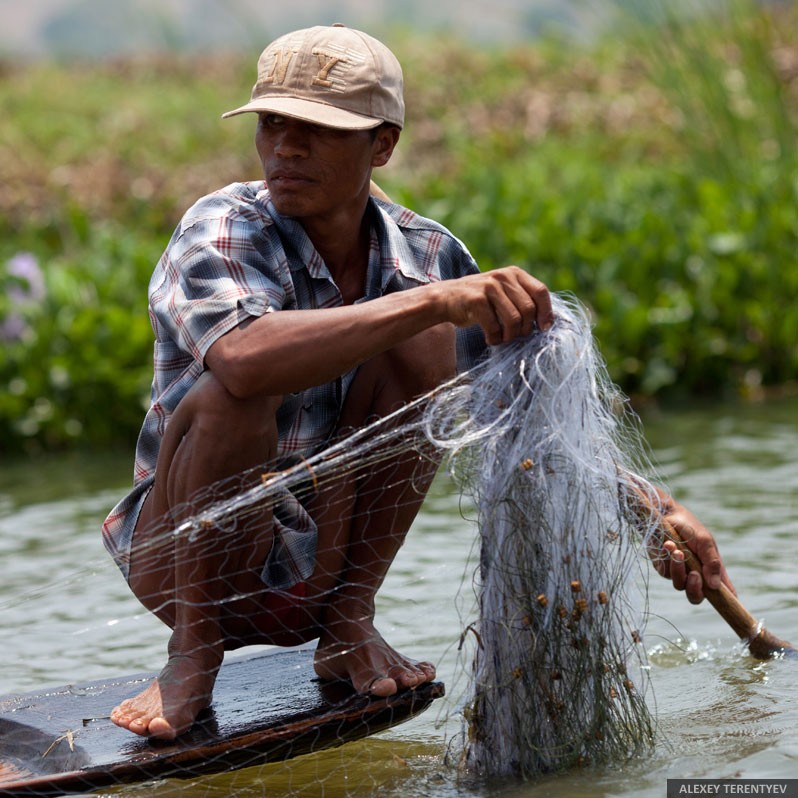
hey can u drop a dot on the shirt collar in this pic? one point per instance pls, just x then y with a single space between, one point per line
396 262
292 233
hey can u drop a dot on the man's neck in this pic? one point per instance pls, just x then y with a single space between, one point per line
344 247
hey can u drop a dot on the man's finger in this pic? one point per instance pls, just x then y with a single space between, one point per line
711 563
678 571
534 290
694 588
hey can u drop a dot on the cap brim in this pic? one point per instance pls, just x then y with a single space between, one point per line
308 111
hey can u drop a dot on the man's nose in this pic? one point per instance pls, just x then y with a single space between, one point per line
292 140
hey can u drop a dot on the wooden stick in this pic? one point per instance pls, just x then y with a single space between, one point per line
761 643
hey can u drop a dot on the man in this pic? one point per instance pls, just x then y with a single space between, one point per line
285 313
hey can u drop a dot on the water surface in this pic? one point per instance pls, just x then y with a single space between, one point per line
66 615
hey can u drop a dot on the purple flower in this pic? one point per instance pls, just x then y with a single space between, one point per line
25 266
24 289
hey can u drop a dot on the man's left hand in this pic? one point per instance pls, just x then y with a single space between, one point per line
671 560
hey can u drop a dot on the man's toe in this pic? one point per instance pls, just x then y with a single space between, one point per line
138 726
409 677
162 729
428 669
382 686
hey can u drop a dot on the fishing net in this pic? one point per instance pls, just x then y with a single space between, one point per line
545 455
542 442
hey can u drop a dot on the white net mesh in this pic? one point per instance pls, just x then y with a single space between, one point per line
539 444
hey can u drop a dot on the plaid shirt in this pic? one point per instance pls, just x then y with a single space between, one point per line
234 257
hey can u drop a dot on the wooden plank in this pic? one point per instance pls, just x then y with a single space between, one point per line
266 707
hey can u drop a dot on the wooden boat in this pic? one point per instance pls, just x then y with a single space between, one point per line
266 707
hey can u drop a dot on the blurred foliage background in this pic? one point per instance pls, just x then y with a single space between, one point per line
652 172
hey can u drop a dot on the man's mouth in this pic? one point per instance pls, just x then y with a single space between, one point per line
288 178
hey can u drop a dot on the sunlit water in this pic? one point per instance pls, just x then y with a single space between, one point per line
66 615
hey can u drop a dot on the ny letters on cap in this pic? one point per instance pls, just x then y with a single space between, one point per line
332 76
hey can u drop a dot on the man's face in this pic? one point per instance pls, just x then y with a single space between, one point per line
314 171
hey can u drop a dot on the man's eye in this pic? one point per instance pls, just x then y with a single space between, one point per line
271 120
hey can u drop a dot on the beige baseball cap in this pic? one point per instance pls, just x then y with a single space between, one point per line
333 76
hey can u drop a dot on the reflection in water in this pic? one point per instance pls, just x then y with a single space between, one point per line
66 615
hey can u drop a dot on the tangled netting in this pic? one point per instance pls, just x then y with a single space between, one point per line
543 442
545 446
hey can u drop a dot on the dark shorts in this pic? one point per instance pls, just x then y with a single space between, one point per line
292 557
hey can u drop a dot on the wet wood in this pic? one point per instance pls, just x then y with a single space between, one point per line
266 707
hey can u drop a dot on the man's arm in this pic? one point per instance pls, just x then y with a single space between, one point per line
288 351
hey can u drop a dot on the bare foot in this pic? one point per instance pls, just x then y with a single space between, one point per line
357 652
171 703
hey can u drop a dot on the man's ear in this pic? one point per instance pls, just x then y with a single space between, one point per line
384 142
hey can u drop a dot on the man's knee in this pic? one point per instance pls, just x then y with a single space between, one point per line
401 374
210 409
423 362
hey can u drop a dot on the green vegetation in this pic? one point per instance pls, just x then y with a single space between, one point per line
654 175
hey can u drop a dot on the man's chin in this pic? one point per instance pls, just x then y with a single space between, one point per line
291 207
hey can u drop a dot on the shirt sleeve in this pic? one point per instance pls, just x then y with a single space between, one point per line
471 347
217 271
456 261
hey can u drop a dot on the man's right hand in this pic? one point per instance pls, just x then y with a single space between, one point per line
506 303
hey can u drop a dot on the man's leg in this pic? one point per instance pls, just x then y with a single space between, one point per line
373 513
209 590
211 436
